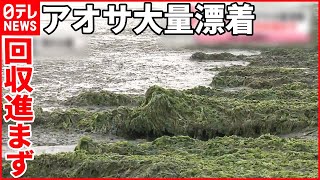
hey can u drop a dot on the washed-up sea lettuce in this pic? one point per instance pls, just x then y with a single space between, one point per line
181 156
173 112
264 77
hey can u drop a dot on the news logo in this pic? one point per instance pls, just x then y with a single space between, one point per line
20 17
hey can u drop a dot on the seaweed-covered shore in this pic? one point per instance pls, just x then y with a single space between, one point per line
181 156
217 131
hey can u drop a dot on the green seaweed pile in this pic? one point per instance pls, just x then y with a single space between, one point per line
173 112
273 68
181 156
264 77
291 92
